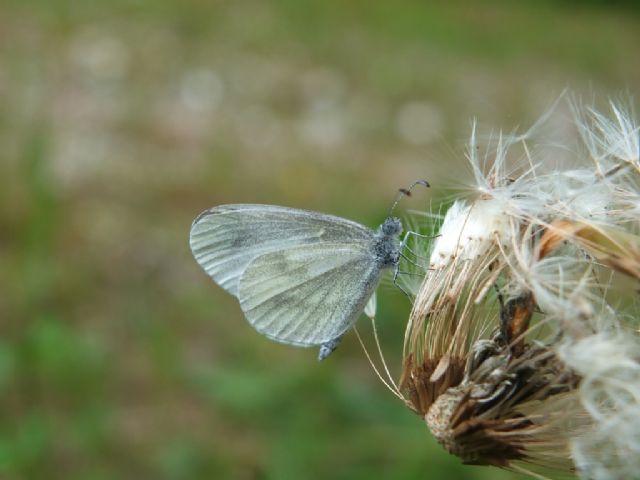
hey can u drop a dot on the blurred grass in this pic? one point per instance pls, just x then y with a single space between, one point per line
120 121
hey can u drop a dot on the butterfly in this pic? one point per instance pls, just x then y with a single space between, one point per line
301 277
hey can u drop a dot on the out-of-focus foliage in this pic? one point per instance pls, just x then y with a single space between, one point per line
120 121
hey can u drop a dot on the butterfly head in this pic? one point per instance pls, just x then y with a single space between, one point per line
392 227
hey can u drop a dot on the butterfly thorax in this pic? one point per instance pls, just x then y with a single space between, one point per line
386 244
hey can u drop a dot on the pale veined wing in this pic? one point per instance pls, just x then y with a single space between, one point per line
225 239
310 294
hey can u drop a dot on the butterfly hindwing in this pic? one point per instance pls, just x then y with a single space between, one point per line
310 294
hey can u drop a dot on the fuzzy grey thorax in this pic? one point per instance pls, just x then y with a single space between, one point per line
386 244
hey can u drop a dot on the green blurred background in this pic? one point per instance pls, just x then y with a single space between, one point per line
120 121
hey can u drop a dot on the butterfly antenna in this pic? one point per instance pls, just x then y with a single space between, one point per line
406 192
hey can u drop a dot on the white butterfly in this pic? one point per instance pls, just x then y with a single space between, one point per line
301 277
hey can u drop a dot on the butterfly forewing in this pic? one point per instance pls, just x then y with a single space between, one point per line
310 294
225 239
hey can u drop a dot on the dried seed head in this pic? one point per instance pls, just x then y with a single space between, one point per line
519 349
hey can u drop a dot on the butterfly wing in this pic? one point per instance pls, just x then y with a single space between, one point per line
308 294
225 239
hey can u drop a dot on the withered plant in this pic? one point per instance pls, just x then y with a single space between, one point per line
522 350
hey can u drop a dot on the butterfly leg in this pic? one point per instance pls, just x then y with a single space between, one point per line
412 262
416 234
404 244
396 272
328 347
